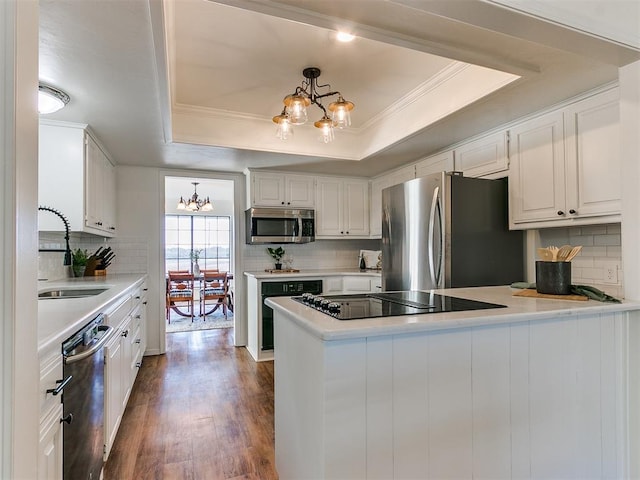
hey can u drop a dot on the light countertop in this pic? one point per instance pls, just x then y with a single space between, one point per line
313 273
519 309
60 318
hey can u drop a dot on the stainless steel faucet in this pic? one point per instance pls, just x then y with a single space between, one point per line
67 252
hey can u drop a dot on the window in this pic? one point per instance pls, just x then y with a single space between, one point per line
187 233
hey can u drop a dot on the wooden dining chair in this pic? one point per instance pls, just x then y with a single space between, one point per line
180 292
215 288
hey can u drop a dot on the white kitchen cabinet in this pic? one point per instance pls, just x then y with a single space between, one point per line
115 385
342 207
50 446
482 156
441 162
267 189
380 183
100 191
123 358
75 177
565 166
50 440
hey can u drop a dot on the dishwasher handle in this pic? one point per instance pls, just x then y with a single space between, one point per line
108 331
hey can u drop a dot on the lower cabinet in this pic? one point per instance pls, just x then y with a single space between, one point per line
123 358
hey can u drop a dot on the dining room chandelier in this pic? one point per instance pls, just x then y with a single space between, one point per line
295 108
194 204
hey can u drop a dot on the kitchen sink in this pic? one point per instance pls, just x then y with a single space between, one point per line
71 293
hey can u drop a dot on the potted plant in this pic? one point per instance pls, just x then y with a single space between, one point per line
195 256
277 254
79 260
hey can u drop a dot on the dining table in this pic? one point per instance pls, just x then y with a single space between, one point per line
199 279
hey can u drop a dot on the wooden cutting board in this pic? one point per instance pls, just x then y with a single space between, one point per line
531 293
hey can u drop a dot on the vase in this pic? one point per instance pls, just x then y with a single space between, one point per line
196 269
78 270
278 266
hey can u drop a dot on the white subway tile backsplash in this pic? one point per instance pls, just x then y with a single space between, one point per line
593 230
601 244
607 240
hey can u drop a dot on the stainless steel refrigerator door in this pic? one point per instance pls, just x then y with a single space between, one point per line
412 235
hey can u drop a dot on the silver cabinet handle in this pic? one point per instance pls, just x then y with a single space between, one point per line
60 387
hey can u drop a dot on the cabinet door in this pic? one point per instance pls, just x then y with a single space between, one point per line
329 207
109 199
482 156
50 446
93 184
113 390
356 208
593 156
127 360
268 190
442 162
300 191
537 174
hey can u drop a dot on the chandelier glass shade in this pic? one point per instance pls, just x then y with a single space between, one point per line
295 108
194 204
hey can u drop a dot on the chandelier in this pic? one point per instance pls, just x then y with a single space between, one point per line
295 108
194 204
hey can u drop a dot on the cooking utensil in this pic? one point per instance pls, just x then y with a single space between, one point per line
574 251
545 254
564 252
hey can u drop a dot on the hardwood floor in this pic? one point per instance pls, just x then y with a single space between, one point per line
204 410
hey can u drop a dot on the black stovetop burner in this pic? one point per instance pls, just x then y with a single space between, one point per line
372 305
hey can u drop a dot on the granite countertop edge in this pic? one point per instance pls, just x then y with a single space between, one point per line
58 319
519 309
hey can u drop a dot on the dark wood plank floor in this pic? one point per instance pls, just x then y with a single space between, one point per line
204 410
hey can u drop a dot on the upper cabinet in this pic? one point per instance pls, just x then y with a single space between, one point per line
342 207
267 189
75 177
441 162
565 166
483 156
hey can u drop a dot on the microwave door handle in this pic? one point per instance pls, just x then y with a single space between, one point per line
432 220
299 223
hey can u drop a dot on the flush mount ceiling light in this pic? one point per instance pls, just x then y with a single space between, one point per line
295 108
194 204
50 99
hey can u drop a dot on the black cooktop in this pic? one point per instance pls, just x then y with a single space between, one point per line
372 305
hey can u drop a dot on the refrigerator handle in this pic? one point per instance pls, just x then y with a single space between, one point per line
432 221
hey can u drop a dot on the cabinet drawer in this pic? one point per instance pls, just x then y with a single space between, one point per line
50 377
357 284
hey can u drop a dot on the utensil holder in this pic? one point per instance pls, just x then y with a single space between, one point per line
553 277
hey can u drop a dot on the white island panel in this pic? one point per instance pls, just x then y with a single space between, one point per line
544 398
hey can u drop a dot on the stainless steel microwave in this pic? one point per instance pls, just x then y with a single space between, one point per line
280 225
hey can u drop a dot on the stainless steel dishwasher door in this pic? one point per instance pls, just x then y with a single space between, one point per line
83 401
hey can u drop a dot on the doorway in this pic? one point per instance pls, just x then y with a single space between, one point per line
199 237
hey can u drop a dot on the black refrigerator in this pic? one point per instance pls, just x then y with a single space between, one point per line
445 231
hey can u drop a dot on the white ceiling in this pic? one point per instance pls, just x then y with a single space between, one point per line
194 83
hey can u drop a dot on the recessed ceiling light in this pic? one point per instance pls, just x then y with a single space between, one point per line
50 99
344 37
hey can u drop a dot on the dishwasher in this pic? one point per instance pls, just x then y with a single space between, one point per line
83 401
282 289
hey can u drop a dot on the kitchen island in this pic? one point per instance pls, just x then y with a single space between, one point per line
540 389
